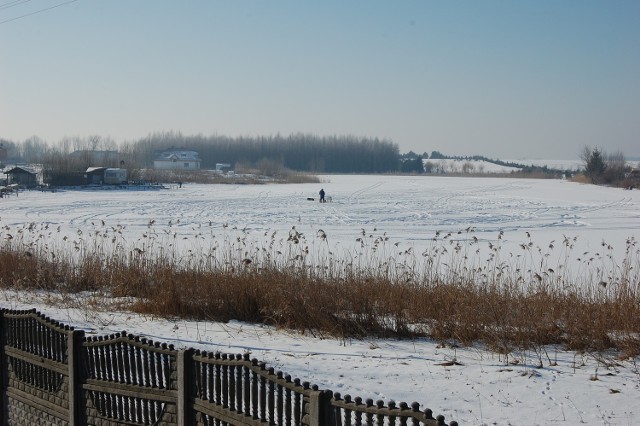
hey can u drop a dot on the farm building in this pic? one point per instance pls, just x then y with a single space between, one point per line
23 176
177 159
113 176
105 175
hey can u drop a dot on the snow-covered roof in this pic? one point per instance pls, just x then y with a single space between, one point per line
94 169
19 169
179 155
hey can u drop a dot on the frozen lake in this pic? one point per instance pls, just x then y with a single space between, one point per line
484 388
409 210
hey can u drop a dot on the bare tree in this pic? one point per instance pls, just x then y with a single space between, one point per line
468 167
32 149
616 165
66 144
585 155
93 142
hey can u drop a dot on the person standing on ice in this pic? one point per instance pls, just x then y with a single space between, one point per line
322 196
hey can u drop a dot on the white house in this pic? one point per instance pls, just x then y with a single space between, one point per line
177 159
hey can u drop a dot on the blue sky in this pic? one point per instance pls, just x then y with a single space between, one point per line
505 79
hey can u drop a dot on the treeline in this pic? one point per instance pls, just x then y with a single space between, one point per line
413 163
274 155
525 169
301 152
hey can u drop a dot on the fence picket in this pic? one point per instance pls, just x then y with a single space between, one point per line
123 378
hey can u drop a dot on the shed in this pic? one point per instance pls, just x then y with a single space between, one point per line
106 175
23 176
95 175
113 176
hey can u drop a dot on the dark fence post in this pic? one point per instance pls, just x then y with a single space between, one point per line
75 363
320 410
184 367
3 373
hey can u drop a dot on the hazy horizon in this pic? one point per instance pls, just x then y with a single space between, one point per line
500 79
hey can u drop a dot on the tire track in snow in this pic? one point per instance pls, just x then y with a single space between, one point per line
357 194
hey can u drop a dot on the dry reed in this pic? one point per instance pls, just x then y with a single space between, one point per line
451 292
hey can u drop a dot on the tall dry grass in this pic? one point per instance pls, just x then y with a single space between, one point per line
453 291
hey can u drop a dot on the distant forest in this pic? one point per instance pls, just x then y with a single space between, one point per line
301 152
296 152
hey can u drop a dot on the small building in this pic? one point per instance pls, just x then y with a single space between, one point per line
223 167
22 176
113 176
177 159
95 175
106 176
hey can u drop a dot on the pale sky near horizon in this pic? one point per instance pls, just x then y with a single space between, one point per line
505 79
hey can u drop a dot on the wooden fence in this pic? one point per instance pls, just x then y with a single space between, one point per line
52 374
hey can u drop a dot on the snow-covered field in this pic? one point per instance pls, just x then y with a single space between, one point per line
481 387
573 165
409 210
466 166
481 166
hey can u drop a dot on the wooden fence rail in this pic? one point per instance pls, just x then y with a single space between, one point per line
52 374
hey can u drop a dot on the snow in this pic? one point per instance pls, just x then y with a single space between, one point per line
472 166
567 164
480 387
573 165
